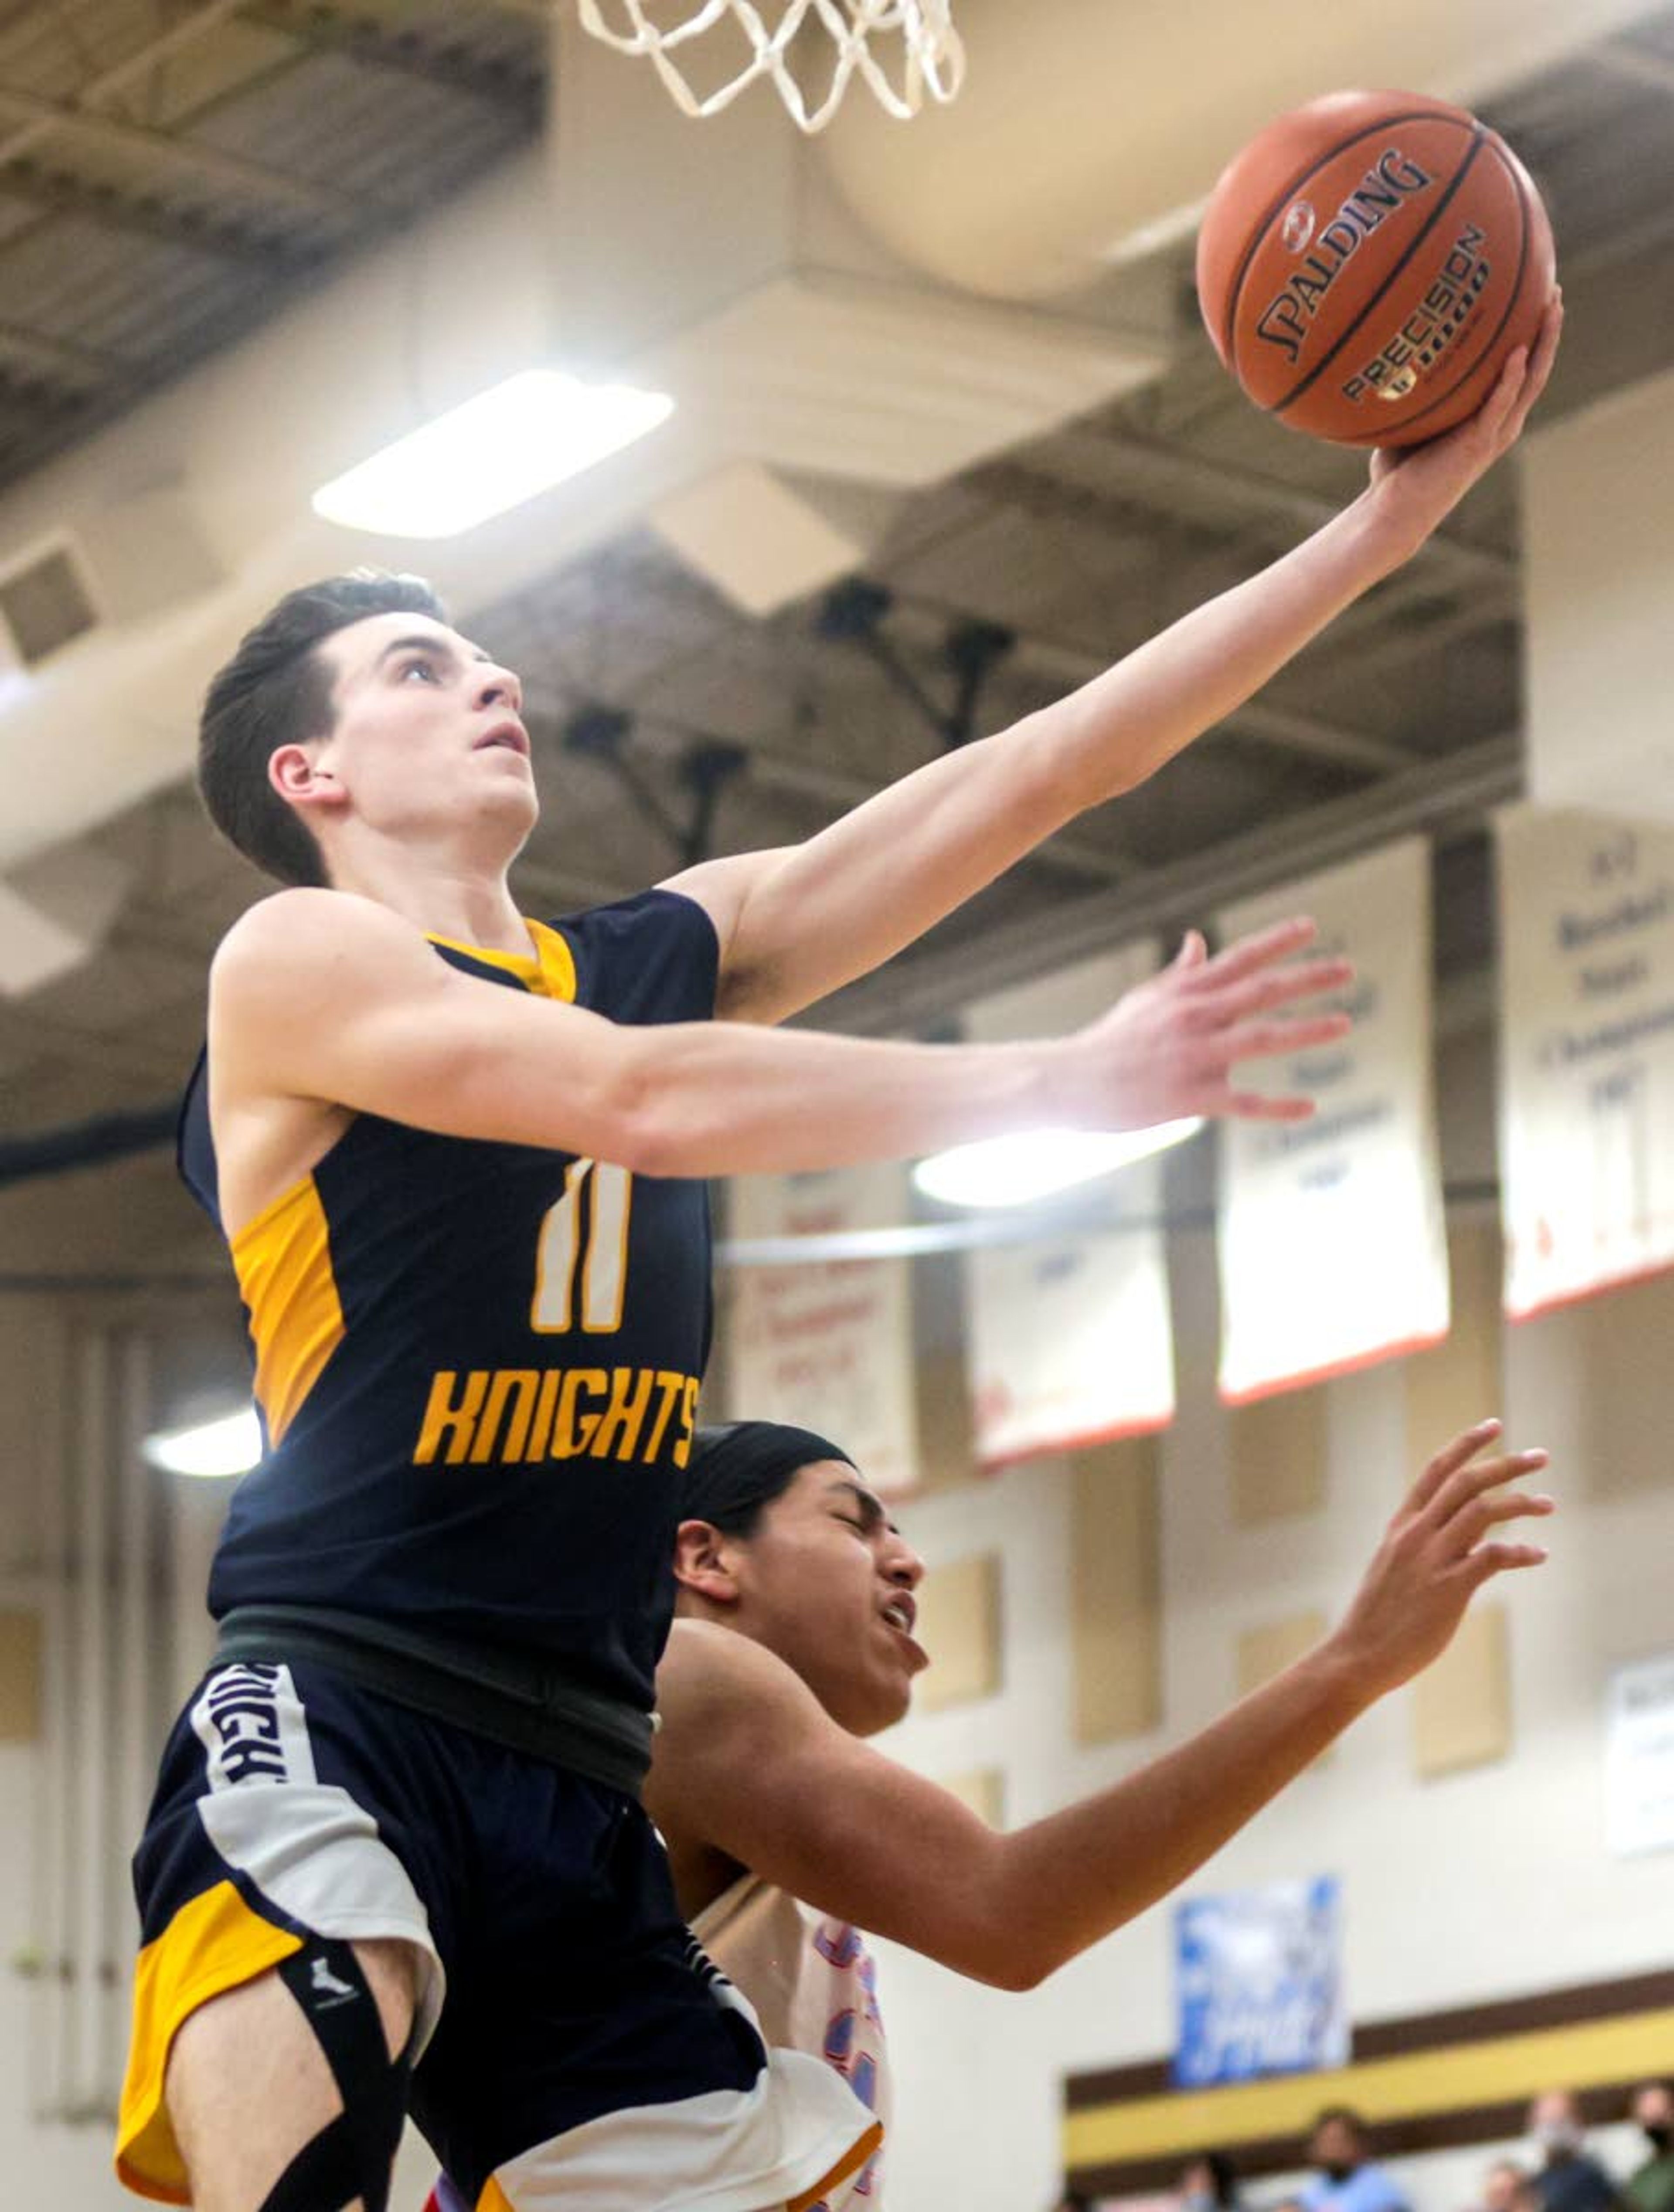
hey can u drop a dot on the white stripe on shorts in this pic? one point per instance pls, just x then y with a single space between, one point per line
304 1843
729 2150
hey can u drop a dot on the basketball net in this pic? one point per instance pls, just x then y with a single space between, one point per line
925 57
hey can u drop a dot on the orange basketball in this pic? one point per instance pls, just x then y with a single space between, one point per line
1367 263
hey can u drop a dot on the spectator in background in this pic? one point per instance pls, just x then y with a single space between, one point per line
1347 2180
1508 2187
1650 2187
1208 2183
1567 2179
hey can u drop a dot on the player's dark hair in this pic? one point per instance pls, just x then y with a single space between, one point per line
277 690
735 1472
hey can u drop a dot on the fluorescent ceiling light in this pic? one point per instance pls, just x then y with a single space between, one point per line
1033 1164
495 450
231 1445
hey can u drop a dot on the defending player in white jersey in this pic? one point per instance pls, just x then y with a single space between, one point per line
792 1642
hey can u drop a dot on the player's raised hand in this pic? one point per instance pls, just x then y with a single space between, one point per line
1418 485
1439 1549
1167 1048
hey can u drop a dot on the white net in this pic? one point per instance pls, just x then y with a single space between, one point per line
904 51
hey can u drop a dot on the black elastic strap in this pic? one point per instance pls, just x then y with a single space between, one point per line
351 2157
529 1704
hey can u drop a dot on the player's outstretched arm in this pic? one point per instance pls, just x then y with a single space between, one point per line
328 997
749 1763
798 923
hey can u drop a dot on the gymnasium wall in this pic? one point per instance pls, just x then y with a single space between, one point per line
1489 1881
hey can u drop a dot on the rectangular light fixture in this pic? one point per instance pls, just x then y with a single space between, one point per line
229 1446
1031 1164
492 453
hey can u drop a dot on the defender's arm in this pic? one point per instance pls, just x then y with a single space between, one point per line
749 1763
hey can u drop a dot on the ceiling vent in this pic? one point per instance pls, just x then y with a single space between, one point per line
45 605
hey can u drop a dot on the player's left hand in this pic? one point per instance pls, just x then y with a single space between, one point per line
1438 1550
1416 485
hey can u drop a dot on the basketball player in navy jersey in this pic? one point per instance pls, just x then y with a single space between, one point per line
397 1852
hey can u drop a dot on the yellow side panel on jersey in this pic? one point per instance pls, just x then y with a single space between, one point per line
283 1262
212 1945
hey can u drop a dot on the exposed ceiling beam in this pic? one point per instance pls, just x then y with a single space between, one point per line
431 58
56 193
168 149
140 63
1073 665
829 784
1319 740
1158 474
60 356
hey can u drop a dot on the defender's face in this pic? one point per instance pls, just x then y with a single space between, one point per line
827 1581
428 732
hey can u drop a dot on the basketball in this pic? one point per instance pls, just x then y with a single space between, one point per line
1366 266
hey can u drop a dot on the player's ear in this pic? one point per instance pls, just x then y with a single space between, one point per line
703 1563
295 774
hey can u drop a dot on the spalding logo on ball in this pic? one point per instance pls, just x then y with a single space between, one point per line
1366 266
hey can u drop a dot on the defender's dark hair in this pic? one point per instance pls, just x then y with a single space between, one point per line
735 1472
277 690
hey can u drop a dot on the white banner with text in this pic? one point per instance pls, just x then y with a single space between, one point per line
1587 1071
827 1345
1332 1236
1068 1337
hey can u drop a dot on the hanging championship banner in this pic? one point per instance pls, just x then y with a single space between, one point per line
1586 1045
1332 1238
1068 1336
827 1345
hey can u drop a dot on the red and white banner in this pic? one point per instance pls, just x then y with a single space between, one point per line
1586 1030
1068 1339
1332 1238
827 1345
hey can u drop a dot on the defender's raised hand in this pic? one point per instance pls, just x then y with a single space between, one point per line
1167 1048
1436 1552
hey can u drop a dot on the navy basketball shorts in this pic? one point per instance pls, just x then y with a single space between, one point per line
574 2045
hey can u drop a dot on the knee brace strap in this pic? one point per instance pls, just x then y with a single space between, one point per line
350 2158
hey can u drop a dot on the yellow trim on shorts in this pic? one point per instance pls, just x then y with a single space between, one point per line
282 1260
211 1946
851 2162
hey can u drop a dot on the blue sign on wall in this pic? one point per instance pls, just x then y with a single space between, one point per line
1259 1983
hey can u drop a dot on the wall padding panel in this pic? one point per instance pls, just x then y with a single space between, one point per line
1461 1707
958 1625
1459 1381
1116 1591
1276 1450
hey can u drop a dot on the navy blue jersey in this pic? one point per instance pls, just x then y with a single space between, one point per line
478 1364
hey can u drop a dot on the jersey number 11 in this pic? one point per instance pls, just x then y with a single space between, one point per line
588 1240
